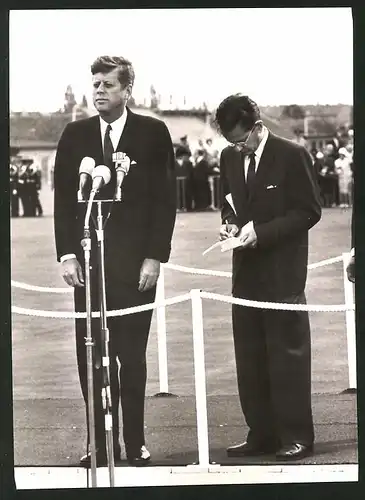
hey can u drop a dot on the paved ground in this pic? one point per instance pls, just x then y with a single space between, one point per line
48 410
51 432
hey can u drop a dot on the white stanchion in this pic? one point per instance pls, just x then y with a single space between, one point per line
350 324
161 332
199 374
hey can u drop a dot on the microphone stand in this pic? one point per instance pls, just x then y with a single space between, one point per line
106 392
89 343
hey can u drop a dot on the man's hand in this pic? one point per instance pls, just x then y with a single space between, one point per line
72 272
350 269
248 236
148 276
227 231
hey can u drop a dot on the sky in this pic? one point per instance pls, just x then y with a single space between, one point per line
276 56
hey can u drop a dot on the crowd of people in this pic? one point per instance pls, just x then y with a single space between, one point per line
335 168
196 170
25 184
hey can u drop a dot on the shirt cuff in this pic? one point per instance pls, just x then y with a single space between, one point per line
67 256
352 252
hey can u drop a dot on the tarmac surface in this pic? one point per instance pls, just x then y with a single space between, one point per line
51 432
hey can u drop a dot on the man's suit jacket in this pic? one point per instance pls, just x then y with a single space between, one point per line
141 225
283 204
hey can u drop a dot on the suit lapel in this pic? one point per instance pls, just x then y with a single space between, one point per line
127 135
95 143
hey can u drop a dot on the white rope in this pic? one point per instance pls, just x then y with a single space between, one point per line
326 262
224 274
176 267
277 305
96 314
194 270
34 288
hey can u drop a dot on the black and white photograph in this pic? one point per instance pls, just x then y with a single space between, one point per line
182 247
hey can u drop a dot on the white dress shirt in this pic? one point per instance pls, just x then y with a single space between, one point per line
257 153
115 135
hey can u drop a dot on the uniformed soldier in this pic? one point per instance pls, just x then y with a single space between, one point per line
32 186
14 195
23 187
38 184
13 174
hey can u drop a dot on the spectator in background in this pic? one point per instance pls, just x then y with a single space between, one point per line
14 186
212 155
184 143
330 156
320 170
344 173
200 147
184 174
30 178
340 140
299 138
213 162
23 188
200 181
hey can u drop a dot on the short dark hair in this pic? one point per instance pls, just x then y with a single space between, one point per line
236 109
105 64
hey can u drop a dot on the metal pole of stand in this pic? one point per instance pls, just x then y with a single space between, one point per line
86 244
106 392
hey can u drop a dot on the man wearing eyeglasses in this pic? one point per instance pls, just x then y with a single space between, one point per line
270 201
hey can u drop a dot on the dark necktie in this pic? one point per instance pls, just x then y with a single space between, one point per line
108 148
251 172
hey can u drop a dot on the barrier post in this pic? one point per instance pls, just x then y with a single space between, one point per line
161 334
200 382
212 193
350 325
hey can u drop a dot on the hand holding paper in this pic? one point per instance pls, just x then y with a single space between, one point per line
232 238
248 235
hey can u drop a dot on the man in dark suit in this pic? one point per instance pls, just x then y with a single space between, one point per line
137 239
270 201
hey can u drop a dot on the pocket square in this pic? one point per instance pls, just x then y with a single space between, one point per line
133 162
272 186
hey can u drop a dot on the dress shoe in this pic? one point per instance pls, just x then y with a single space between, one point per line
101 459
140 459
294 451
250 449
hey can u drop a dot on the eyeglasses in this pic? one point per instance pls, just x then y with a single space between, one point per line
242 143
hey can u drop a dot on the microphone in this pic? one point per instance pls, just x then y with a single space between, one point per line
100 177
122 163
85 170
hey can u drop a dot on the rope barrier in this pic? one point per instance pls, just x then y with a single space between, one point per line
277 305
194 270
175 267
280 306
96 314
34 288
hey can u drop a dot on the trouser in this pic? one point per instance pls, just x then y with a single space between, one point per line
273 361
128 343
14 204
